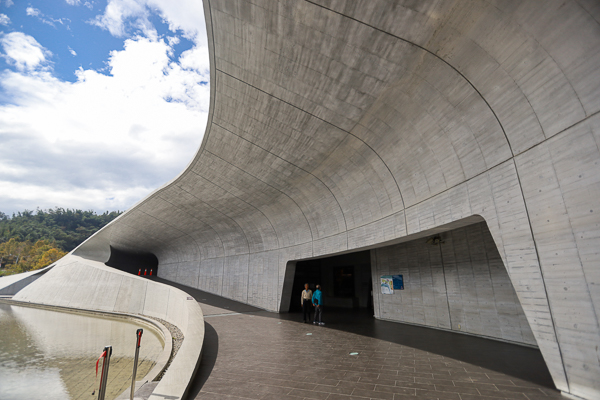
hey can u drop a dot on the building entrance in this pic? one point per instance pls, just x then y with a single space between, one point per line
133 263
345 281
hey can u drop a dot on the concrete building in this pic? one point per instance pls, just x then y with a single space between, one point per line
455 143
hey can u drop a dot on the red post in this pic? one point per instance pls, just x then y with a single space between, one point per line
104 377
139 272
145 272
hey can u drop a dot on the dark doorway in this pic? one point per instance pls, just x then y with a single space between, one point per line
134 263
345 281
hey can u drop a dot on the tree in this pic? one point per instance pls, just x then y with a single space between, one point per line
20 257
66 227
34 239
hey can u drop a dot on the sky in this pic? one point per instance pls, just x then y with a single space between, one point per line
101 102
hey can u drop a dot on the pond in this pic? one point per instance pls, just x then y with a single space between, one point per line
52 355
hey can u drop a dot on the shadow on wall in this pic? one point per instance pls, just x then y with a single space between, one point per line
12 284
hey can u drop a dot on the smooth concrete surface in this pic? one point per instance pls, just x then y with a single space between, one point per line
11 284
459 284
343 125
84 284
143 391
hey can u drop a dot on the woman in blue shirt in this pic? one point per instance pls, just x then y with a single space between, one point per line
317 301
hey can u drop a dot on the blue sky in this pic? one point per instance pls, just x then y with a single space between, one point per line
101 102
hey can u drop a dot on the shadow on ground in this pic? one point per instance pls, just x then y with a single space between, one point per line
210 299
511 359
210 349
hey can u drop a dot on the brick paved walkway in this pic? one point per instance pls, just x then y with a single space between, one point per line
252 354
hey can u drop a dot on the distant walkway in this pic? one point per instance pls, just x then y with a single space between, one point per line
253 354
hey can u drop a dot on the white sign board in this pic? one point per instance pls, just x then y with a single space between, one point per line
387 285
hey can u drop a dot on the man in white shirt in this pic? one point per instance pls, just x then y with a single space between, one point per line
306 302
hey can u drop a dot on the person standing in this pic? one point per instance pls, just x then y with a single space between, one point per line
306 301
317 300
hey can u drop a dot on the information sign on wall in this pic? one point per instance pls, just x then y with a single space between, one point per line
398 282
387 284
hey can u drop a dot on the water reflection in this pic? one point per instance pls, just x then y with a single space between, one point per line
52 355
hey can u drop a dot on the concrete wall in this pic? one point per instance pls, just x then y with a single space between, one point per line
460 285
339 125
12 284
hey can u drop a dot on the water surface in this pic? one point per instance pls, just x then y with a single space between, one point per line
52 355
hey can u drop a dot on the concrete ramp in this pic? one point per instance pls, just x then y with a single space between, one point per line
10 285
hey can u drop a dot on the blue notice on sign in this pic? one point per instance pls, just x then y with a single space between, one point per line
398 282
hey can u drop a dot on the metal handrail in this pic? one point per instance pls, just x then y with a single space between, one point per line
107 352
138 336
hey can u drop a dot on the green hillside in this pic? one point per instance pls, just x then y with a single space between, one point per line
33 239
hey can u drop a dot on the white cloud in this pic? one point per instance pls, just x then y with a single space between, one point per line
184 15
33 12
37 13
4 20
120 12
104 141
187 15
8 3
19 196
73 52
195 59
173 40
23 51
78 2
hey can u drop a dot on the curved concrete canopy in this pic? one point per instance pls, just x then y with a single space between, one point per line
339 125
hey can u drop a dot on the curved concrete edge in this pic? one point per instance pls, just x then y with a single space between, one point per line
155 326
184 366
78 283
11 284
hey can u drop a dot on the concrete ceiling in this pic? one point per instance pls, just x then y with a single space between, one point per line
338 125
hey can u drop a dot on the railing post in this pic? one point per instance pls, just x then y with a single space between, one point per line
104 376
138 341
